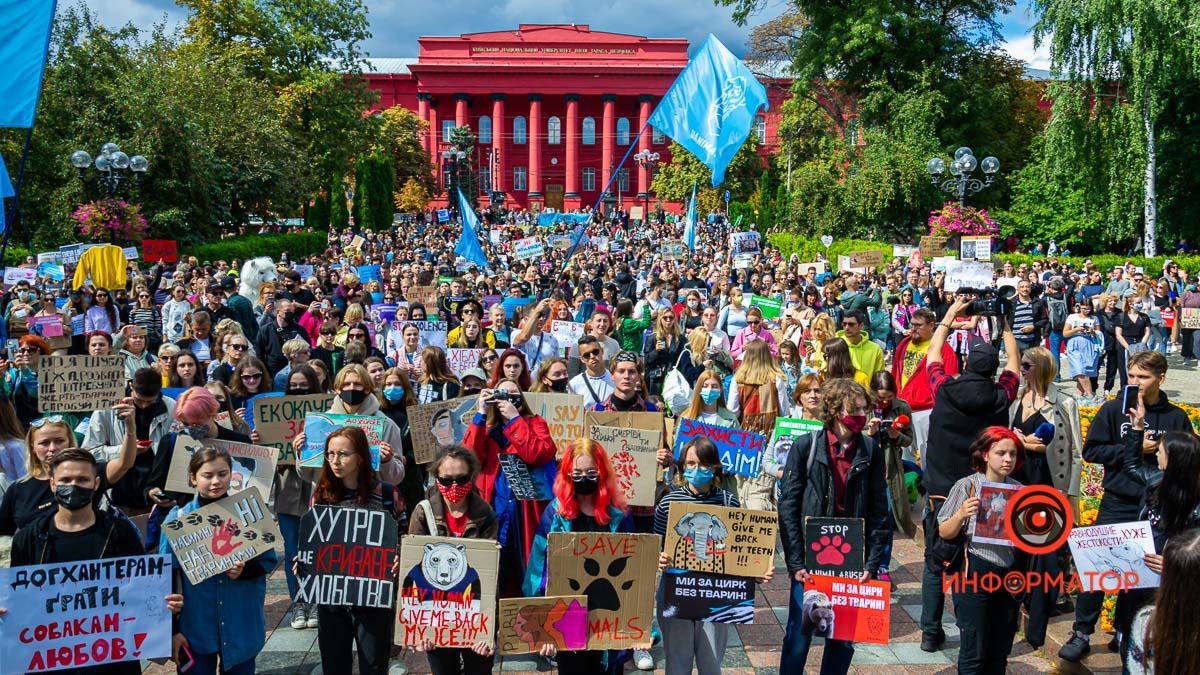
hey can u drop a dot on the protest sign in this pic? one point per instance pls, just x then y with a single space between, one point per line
714 598
1110 558
769 307
635 213
633 455
741 451
616 572
566 332
743 242
437 425
447 592
357 242
426 295
987 526
966 274
933 245
869 259
794 426
369 273
650 421
155 250
975 248
842 609
253 465
940 263
844 265
318 426
383 313
1189 317
305 271
433 333
461 360
511 305
15 275
819 266
443 215
527 249
494 237
721 540
130 252
559 242
345 556
46 326
51 270
526 483
672 250
278 419
836 546
525 624
52 257
85 614
564 414
902 250
80 382
211 539
743 261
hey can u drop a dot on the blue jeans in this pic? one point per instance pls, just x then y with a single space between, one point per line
1056 340
206 664
837 655
289 526
885 562
1159 339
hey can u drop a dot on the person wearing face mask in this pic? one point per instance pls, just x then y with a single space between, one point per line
691 312
838 471
453 508
398 395
273 335
551 377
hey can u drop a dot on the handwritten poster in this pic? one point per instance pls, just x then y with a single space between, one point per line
633 455
721 540
211 539
461 360
528 623
437 425
279 419
447 591
1111 558
346 556
741 451
616 573
80 382
253 465
564 415
318 426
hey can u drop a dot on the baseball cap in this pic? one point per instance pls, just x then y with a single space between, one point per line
982 358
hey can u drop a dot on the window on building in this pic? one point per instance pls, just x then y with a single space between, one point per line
519 176
589 179
623 180
485 180
485 129
447 127
519 131
761 127
622 131
554 131
657 137
589 131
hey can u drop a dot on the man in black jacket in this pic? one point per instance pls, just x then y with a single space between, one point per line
836 472
1027 316
962 406
271 337
1122 498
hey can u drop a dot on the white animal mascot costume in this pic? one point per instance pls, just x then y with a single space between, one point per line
255 273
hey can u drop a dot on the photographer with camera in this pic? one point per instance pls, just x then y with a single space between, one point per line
961 406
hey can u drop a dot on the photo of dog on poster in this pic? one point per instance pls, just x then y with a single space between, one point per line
989 527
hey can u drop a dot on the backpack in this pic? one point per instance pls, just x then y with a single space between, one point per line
1057 308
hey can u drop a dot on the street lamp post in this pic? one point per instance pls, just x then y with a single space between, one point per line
962 181
648 161
113 167
453 157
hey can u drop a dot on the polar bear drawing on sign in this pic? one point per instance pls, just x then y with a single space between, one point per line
444 576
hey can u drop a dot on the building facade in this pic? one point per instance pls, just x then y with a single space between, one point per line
555 109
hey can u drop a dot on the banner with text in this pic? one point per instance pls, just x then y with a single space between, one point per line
80 382
447 591
209 540
741 451
345 557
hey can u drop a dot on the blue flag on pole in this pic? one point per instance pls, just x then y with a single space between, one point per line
711 108
689 231
24 40
6 191
468 241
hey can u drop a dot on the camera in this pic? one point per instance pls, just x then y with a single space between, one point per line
505 395
990 301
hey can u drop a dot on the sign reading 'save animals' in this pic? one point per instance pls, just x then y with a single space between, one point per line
720 539
843 609
279 419
741 451
211 539
84 614
616 573
80 382
345 557
447 591
525 624
253 465
715 598
633 455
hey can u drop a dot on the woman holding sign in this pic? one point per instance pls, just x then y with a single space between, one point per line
21 377
223 616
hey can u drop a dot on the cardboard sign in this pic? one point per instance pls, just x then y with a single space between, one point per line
564 414
794 426
721 540
1109 558
632 453
672 250
253 465
278 419
80 382
650 421
966 274
988 526
209 540
903 250
437 425
425 295
357 242
528 249
447 591
85 614
1189 317
866 258
154 250
526 484
15 275
741 451
635 213
525 624
346 556
461 360
933 245
714 598
616 572
834 546
819 266
318 426
847 610
566 332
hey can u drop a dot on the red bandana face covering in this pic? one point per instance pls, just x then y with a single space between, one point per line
455 493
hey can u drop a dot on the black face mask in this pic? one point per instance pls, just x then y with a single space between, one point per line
353 396
73 497
292 391
559 386
586 487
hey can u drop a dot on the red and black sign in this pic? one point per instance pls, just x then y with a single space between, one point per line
346 557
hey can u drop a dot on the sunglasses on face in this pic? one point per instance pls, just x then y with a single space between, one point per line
449 481
240 348
489 359
590 354
251 376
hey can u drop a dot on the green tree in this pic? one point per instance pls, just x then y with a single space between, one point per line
674 180
397 132
413 197
339 214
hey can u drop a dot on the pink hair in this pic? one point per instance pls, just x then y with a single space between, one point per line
196 405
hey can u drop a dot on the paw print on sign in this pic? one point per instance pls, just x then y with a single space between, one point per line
193 519
600 592
831 551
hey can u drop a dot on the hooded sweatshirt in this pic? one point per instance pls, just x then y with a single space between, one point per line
1105 442
866 355
962 408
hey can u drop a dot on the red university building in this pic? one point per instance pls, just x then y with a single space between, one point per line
554 107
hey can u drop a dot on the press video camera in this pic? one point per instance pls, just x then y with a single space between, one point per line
989 301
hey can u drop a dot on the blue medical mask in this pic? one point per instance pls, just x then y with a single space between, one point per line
393 393
710 396
699 477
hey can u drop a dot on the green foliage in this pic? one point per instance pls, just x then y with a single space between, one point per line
673 181
297 245
413 197
339 214
1051 205
373 191
807 248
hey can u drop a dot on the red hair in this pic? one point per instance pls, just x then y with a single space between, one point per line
987 439
31 340
330 489
607 493
524 381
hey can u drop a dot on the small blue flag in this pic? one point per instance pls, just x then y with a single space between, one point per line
711 107
6 191
689 231
468 241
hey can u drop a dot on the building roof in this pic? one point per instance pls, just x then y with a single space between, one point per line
390 66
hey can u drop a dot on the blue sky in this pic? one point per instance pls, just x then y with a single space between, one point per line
396 24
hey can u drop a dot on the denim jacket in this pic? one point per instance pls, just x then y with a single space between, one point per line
536 572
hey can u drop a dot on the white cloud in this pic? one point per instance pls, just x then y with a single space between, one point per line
1021 47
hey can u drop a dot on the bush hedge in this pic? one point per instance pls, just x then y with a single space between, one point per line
808 247
297 245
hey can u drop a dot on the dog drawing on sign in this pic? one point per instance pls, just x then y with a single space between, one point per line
443 576
702 542
818 615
